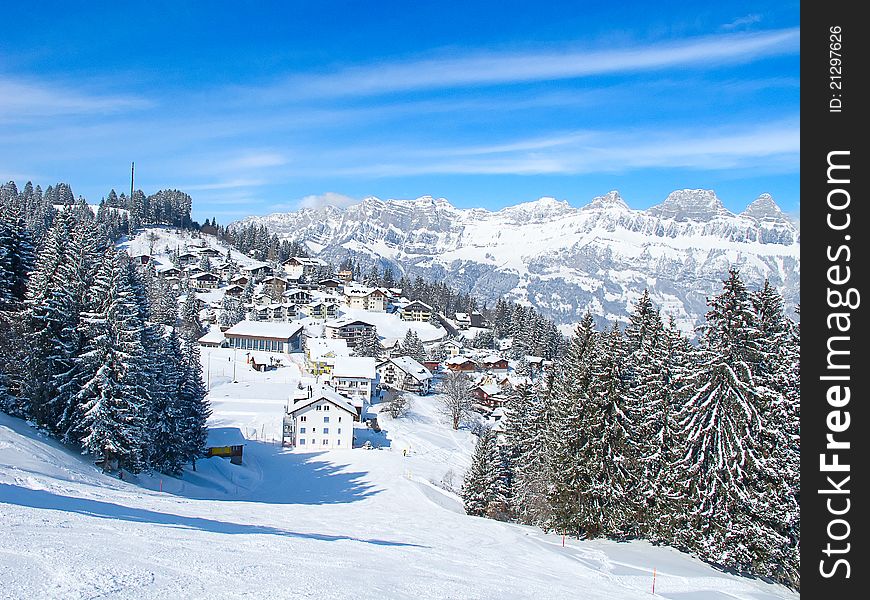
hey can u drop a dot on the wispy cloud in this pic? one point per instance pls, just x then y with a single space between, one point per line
741 22
600 151
504 68
224 185
20 98
254 160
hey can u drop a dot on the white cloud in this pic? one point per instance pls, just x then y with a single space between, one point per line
567 63
254 160
36 99
224 185
327 199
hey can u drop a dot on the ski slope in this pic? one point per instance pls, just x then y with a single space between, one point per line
360 524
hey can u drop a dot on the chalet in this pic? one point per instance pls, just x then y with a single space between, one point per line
466 320
234 290
416 311
347 329
226 442
265 336
495 363
274 312
331 284
345 276
205 281
193 270
322 310
298 267
319 418
453 347
278 284
489 396
536 365
141 259
297 296
210 252
169 272
258 269
225 269
353 377
461 364
391 347
241 280
366 298
405 374
320 354
187 258
432 365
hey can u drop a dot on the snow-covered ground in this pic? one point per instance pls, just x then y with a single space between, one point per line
338 524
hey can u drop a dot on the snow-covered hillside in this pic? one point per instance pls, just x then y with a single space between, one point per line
358 524
564 259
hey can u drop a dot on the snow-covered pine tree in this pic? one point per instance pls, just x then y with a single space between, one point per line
485 490
193 403
168 444
569 436
722 420
528 422
412 346
16 256
232 311
114 399
191 328
368 344
610 452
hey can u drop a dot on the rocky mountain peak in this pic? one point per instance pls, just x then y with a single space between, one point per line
611 199
690 205
765 209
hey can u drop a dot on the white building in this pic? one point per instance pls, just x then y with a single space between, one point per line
318 418
354 377
265 336
366 298
416 311
298 266
406 374
347 329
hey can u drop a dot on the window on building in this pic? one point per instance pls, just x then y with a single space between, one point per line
302 441
325 430
339 419
339 430
301 430
325 442
326 419
314 430
303 418
319 407
338 442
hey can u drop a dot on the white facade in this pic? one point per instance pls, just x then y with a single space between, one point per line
365 298
406 374
322 421
353 378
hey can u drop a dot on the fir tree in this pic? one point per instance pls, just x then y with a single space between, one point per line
412 346
485 490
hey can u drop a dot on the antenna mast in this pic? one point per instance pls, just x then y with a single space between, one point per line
132 168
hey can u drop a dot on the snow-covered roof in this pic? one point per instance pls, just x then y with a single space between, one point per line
418 304
318 348
256 265
462 317
321 392
214 336
412 368
204 275
341 322
225 436
264 329
490 389
492 358
458 360
354 366
360 291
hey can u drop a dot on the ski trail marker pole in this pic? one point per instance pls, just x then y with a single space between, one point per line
654 581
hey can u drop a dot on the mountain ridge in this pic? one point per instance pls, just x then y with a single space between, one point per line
565 259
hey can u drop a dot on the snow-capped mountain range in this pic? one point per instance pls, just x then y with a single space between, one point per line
563 259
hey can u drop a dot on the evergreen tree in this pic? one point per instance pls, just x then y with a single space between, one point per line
193 403
412 346
485 490
191 326
722 423
114 399
368 344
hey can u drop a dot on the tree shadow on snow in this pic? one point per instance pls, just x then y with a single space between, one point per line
43 499
276 475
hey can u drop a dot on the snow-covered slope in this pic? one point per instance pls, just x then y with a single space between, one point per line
564 259
352 524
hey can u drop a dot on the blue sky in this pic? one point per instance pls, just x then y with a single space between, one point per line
256 107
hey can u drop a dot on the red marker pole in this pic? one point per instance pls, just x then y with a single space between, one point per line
563 540
654 581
